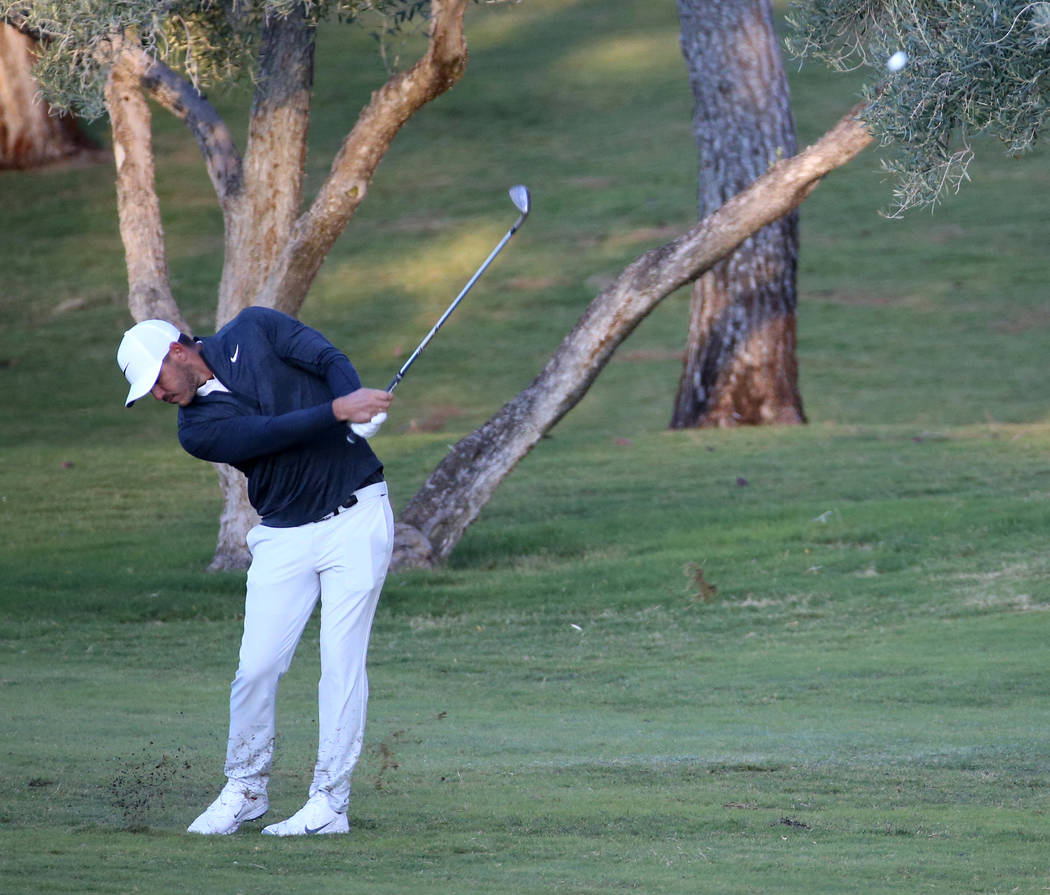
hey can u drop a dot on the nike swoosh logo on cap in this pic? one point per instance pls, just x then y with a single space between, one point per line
236 353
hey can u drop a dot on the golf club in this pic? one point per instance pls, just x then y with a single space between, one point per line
519 195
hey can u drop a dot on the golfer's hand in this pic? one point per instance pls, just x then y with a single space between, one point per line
362 406
369 429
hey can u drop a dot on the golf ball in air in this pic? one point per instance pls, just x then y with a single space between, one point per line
897 61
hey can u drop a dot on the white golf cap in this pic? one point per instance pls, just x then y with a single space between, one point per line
141 353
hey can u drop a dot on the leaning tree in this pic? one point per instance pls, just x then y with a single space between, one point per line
454 493
973 68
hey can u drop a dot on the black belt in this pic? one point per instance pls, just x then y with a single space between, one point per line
374 479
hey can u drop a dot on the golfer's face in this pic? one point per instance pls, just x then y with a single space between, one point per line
177 383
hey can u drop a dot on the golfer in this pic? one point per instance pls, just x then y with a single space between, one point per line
273 397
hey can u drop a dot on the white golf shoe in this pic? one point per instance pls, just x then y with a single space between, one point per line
316 817
234 806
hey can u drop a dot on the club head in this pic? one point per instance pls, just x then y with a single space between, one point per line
519 195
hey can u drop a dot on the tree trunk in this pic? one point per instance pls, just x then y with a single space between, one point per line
259 219
261 214
740 365
30 135
451 498
149 289
237 518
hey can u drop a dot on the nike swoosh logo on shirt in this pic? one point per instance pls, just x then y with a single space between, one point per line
310 832
236 353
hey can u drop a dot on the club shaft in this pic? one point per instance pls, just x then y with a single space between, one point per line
430 335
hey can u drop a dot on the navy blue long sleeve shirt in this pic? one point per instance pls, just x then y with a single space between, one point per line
275 424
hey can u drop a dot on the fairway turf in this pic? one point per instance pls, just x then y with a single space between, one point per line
803 660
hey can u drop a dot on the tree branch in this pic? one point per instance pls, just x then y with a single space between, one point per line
149 289
451 498
182 99
355 165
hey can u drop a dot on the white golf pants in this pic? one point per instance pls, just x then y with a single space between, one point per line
343 561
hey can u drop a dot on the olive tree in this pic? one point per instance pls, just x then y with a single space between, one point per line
99 57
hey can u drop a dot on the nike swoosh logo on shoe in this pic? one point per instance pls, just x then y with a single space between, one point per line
236 353
310 832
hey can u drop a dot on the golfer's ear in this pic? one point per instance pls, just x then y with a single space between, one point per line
177 350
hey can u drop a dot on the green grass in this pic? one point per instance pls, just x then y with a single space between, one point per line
806 660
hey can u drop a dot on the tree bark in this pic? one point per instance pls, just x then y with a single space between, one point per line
259 216
740 365
453 495
30 135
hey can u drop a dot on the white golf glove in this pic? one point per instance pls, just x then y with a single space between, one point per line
369 429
